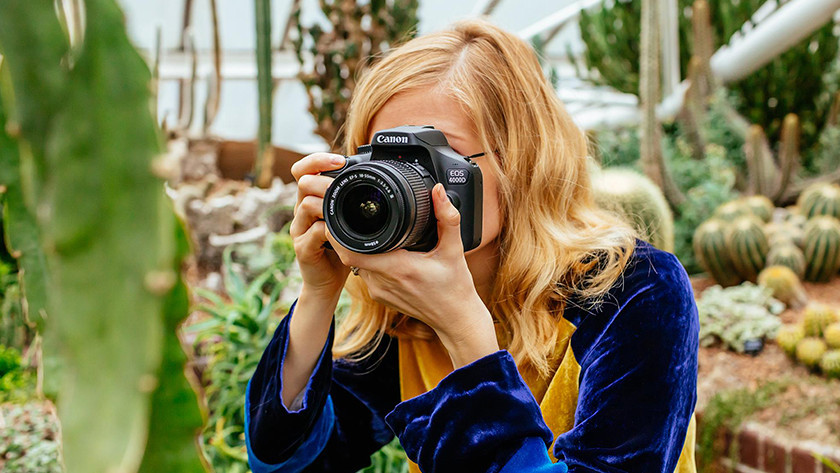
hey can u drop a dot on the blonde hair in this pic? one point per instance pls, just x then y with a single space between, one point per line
554 242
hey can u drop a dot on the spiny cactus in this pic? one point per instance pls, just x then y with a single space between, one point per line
730 211
820 199
817 317
785 285
822 248
789 336
759 205
830 364
831 334
787 254
747 246
712 253
809 350
637 200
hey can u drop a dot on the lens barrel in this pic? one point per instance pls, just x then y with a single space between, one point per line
379 206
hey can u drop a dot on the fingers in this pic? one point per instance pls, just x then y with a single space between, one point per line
309 211
315 163
448 222
312 184
309 245
392 262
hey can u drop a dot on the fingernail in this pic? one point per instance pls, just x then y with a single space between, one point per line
337 160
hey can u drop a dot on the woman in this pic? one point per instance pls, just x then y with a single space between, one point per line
598 329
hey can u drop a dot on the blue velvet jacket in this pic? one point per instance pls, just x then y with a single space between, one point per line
637 390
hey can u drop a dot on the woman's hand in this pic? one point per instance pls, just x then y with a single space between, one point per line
435 287
321 270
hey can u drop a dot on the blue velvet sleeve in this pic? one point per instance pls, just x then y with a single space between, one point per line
638 359
337 423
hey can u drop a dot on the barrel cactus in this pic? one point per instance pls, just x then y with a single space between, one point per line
785 285
747 246
784 232
710 250
830 364
822 248
636 199
820 199
831 334
789 336
758 205
787 254
810 350
817 318
730 211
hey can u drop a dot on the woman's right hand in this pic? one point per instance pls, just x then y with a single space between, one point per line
321 269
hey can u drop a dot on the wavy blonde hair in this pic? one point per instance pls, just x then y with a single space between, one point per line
554 242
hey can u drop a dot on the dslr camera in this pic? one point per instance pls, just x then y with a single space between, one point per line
380 200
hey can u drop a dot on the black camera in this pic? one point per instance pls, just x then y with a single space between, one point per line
381 198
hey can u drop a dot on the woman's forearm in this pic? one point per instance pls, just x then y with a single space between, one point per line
308 332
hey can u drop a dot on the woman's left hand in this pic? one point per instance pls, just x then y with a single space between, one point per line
435 287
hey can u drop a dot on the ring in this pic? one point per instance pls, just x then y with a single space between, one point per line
354 270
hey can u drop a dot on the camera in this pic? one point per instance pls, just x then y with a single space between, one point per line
380 200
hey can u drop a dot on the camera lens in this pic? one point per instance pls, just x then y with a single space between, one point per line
366 210
379 206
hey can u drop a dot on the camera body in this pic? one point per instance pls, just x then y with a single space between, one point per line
380 200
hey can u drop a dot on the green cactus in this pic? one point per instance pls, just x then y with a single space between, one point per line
820 199
710 250
107 235
809 350
787 254
636 199
816 318
822 248
831 334
747 246
789 336
830 364
785 285
759 205
730 211
264 162
781 233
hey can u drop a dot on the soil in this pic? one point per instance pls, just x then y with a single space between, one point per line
808 407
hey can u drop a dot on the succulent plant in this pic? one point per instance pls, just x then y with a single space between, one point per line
809 350
747 246
822 198
831 334
830 364
817 317
785 285
787 254
758 205
731 210
712 253
736 315
789 336
779 233
822 248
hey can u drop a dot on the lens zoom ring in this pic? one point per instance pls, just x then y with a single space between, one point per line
422 200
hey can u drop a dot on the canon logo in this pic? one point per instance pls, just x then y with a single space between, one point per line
392 139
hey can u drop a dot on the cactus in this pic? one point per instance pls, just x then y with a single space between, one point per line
820 199
637 200
789 336
758 205
831 334
822 248
809 350
830 364
264 162
787 254
710 250
817 317
730 211
747 246
781 233
106 231
785 285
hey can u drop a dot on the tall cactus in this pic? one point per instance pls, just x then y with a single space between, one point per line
107 234
264 162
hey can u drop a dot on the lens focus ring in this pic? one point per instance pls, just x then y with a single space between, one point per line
422 202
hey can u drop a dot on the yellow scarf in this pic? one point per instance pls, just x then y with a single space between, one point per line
424 363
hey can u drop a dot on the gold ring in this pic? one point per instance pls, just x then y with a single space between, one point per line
354 270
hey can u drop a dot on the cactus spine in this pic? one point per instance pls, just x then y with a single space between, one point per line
787 254
789 336
809 350
820 199
637 200
817 318
831 334
785 285
822 248
747 246
710 249
830 364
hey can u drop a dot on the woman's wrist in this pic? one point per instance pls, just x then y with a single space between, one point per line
473 338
